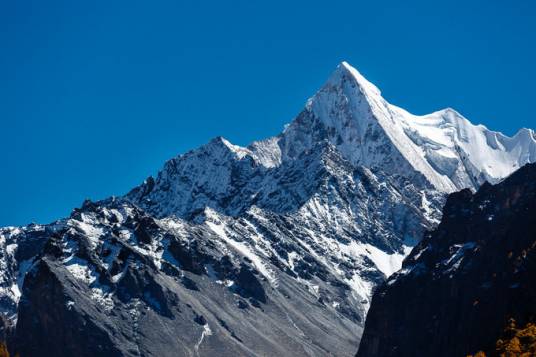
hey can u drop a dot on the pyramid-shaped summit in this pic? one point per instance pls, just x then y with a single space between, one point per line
442 150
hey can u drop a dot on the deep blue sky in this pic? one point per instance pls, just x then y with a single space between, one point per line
96 95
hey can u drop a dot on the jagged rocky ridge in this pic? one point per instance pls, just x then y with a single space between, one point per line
273 248
301 281
464 281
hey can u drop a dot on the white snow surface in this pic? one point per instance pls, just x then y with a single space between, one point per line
251 253
450 151
385 262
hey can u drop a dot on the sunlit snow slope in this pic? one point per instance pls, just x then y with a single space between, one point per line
448 150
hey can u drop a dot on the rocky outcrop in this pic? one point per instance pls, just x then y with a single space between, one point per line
464 281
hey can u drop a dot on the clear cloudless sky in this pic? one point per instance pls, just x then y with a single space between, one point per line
96 95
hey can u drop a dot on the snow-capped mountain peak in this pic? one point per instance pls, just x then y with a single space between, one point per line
442 150
344 69
438 152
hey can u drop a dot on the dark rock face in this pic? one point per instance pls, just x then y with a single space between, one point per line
47 324
465 280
